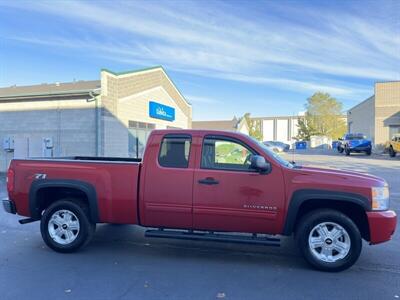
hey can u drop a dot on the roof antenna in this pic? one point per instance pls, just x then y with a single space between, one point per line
293 162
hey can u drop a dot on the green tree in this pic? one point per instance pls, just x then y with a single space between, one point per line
323 117
305 131
254 126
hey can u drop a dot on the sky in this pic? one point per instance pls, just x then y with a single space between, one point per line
226 57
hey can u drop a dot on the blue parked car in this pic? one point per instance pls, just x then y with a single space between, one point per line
354 142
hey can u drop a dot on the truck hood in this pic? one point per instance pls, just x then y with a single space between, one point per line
338 177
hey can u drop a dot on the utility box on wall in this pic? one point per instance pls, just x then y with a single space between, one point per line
8 144
48 147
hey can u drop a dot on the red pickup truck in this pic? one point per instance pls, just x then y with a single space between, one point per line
205 185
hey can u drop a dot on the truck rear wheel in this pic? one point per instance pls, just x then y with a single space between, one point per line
329 240
65 226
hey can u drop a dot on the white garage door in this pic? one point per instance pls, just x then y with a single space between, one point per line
295 128
268 130
282 130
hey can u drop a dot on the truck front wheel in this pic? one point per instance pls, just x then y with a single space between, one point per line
392 153
65 226
329 240
347 151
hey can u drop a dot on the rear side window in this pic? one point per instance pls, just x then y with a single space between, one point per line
174 152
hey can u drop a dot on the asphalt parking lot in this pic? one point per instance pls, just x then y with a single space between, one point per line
121 264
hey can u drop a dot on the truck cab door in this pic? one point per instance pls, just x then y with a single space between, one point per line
229 196
168 182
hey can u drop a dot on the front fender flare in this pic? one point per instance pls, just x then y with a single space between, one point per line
301 196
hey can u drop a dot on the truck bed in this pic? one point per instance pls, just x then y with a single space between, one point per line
114 181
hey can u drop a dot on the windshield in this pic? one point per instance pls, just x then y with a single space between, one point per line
356 137
275 156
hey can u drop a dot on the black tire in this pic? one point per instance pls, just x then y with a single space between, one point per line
392 153
347 151
368 152
328 216
340 149
82 236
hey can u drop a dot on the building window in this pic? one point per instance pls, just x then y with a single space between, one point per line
174 151
137 137
393 129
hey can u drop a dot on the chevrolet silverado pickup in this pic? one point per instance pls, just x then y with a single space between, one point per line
204 185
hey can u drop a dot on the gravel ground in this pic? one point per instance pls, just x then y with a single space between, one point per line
121 264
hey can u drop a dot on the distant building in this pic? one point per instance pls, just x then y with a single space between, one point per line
236 125
378 117
112 116
281 128
285 128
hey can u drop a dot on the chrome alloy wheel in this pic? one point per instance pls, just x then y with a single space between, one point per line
329 242
63 227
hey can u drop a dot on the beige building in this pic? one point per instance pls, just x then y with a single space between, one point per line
378 117
236 125
112 116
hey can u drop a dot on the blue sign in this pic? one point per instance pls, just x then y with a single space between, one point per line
160 111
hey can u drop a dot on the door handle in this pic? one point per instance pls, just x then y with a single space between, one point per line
208 181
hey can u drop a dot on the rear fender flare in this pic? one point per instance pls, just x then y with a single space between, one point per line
84 187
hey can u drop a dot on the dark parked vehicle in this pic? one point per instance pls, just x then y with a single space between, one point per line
279 146
354 142
271 147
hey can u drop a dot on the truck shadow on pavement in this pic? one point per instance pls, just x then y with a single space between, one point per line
124 241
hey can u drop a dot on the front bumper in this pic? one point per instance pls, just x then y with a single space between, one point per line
9 206
360 148
382 225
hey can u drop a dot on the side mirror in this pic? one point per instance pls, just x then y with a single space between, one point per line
258 163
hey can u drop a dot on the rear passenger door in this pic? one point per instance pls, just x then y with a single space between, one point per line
168 185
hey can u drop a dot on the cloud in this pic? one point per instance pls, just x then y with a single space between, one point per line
202 100
299 85
293 48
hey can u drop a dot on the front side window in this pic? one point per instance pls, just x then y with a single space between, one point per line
355 136
225 155
174 152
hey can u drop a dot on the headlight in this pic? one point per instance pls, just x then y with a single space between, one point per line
380 198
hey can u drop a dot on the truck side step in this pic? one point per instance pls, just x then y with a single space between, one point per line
215 237
26 221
